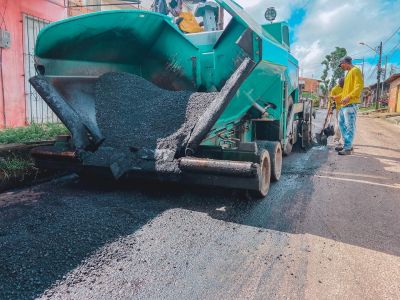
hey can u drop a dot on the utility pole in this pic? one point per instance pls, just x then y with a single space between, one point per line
384 76
379 73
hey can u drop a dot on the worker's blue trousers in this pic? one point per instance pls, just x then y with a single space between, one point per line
347 124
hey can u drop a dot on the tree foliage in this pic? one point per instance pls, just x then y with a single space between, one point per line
331 72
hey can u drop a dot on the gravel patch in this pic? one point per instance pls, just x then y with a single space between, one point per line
47 231
142 121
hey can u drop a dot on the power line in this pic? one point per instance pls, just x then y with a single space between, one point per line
389 38
371 73
393 50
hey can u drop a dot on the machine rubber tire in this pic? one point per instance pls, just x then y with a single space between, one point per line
275 155
306 128
288 147
264 178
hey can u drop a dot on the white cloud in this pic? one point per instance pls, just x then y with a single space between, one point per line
257 8
309 55
328 24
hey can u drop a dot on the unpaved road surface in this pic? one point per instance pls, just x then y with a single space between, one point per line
330 229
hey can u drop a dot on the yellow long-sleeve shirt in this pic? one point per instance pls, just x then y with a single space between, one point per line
337 90
353 86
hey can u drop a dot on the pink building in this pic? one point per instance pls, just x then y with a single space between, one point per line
22 20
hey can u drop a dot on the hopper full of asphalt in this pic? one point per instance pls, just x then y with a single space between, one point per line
143 125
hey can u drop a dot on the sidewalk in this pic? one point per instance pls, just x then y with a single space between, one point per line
393 118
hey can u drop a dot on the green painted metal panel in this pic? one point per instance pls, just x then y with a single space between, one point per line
145 43
263 85
151 45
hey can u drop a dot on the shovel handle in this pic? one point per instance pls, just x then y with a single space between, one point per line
326 119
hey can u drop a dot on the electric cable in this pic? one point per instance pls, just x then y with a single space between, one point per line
393 50
388 39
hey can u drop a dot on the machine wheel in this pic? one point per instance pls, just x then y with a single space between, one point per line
288 147
264 176
306 127
306 140
275 154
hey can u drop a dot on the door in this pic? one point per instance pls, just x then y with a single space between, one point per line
37 111
397 104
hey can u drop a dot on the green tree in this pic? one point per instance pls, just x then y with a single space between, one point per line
332 72
325 74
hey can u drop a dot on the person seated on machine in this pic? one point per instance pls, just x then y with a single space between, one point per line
207 10
187 23
185 20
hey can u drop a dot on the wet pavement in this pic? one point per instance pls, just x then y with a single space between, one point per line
329 229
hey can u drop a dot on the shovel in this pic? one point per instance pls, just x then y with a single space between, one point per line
327 131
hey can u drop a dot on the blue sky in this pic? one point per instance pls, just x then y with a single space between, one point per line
295 20
318 26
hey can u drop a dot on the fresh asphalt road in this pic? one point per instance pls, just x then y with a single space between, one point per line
329 229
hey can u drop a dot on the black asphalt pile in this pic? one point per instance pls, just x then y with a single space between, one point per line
133 113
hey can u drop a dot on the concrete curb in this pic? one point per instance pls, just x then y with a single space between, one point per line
21 148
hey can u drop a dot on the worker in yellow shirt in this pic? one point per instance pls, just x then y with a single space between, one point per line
187 23
351 94
334 104
185 20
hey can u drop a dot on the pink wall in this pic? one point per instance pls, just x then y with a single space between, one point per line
13 99
394 91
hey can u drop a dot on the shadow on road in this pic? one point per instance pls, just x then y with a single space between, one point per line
47 231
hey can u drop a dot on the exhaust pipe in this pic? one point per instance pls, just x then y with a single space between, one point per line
85 136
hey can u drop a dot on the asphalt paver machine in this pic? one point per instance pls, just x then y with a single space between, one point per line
143 99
